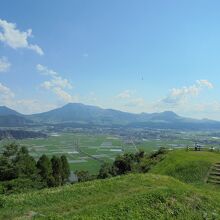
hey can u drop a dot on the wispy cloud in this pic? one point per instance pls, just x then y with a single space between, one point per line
8 98
135 102
5 93
4 64
45 71
184 100
129 99
179 96
30 106
126 94
56 84
14 38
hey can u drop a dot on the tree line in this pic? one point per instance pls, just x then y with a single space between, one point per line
19 171
139 162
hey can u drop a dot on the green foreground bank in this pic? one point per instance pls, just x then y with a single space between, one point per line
175 189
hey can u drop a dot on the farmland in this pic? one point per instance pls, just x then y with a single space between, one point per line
104 148
89 151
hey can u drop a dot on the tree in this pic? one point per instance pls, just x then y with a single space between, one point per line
83 176
139 155
8 170
65 169
124 163
25 164
10 150
57 170
45 171
106 171
19 171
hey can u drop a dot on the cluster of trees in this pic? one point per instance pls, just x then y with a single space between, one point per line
19 171
139 162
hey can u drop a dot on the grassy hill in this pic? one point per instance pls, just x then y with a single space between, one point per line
187 166
134 196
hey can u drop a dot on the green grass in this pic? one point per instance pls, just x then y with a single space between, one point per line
136 196
91 166
154 196
187 166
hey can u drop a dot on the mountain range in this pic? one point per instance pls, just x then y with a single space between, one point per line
91 115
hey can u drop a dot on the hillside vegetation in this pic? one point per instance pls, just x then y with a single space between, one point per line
133 196
187 166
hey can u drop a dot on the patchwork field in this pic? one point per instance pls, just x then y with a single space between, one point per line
88 152
84 152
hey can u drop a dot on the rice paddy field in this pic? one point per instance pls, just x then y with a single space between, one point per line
88 152
84 152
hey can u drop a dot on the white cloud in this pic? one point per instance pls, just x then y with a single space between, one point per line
57 81
63 95
45 71
205 83
56 84
4 64
29 106
125 94
135 102
14 38
26 106
129 101
179 96
5 93
60 82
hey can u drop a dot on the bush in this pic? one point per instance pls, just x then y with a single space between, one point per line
21 185
2 202
130 162
84 176
106 171
2 189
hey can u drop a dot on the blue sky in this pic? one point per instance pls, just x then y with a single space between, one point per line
132 55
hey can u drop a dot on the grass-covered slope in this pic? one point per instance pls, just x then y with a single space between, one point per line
135 196
187 166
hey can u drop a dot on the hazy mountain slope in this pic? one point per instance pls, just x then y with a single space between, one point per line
76 112
81 114
20 134
7 111
14 121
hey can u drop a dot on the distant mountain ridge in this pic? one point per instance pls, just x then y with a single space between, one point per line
7 111
80 113
87 114
12 118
